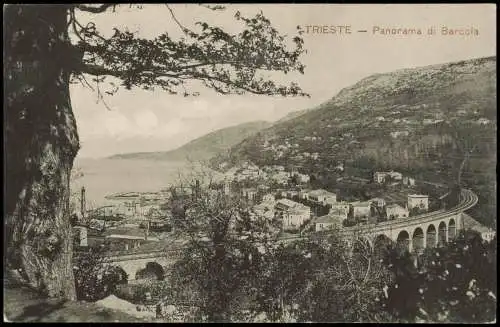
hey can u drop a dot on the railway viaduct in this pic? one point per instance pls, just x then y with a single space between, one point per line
413 233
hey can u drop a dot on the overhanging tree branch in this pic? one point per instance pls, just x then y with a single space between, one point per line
95 10
226 63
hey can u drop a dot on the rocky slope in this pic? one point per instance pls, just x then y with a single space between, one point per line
420 120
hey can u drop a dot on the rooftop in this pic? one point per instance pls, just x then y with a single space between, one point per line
291 204
329 219
417 196
320 192
361 204
394 206
127 233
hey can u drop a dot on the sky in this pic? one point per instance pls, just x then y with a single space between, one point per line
141 121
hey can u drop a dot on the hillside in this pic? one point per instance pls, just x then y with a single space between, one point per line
203 147
420 120
294 114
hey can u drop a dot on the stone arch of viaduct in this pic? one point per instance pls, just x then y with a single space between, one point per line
131 264
416 233
417 236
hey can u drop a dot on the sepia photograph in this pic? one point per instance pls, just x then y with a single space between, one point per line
250 163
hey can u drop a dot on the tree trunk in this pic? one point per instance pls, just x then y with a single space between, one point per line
41 142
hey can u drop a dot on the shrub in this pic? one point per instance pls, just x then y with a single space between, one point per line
94 279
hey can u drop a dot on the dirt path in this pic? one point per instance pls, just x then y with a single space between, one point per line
23 305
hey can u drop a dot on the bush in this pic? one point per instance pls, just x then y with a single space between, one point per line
348 223
94 280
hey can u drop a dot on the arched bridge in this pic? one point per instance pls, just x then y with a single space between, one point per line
417 232
414 233
133 261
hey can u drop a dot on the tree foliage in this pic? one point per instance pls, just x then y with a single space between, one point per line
456 283
41 133
95 279
224 244
238 272
227 63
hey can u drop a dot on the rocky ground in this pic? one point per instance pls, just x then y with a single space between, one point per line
24 305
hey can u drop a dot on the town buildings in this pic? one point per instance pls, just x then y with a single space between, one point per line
419 201
322 197
301 178
340 209
379 202
395 211
380 177
293 214
408 181
328 222
361 210
304 193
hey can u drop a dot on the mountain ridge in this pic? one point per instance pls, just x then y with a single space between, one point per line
203 147
416 120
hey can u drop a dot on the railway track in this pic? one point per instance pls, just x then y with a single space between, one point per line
468 200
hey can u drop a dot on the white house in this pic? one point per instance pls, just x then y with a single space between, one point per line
395 175
323 197
289 194
304 194
379 202
340 209
420 201
379 177
293 214
361 209
395 211
488 235
483 121
328 222
408 181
